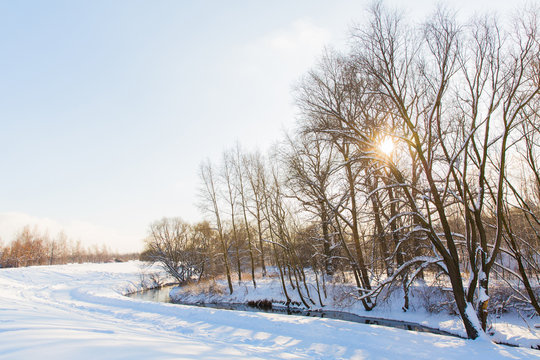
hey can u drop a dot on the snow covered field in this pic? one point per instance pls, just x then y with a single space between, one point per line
79 312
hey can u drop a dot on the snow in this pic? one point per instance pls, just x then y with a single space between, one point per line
508 328
79 312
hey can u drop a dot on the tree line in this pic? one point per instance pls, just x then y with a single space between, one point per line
415 157
31 247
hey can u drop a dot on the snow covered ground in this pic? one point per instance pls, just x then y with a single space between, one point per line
79 312
508 328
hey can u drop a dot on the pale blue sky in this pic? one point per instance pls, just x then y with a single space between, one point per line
108 107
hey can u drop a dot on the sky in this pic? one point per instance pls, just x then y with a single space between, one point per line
107 108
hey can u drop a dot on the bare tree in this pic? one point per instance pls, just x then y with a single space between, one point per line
239 163
209 193
231 197
309 164
171 244
254 167
460 137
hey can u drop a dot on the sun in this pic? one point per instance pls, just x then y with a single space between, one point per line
387 145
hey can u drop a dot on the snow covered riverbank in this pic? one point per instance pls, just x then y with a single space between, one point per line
507 328
79 312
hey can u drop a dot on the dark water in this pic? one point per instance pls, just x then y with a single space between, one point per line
162 295
156 295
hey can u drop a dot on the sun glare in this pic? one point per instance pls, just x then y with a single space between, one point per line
387 145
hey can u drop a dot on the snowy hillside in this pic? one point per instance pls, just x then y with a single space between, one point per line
79 312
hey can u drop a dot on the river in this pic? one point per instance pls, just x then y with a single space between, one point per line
162 295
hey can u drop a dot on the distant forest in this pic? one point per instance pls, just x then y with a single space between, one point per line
31 247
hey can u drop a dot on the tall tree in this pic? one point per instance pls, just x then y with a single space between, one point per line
210 197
